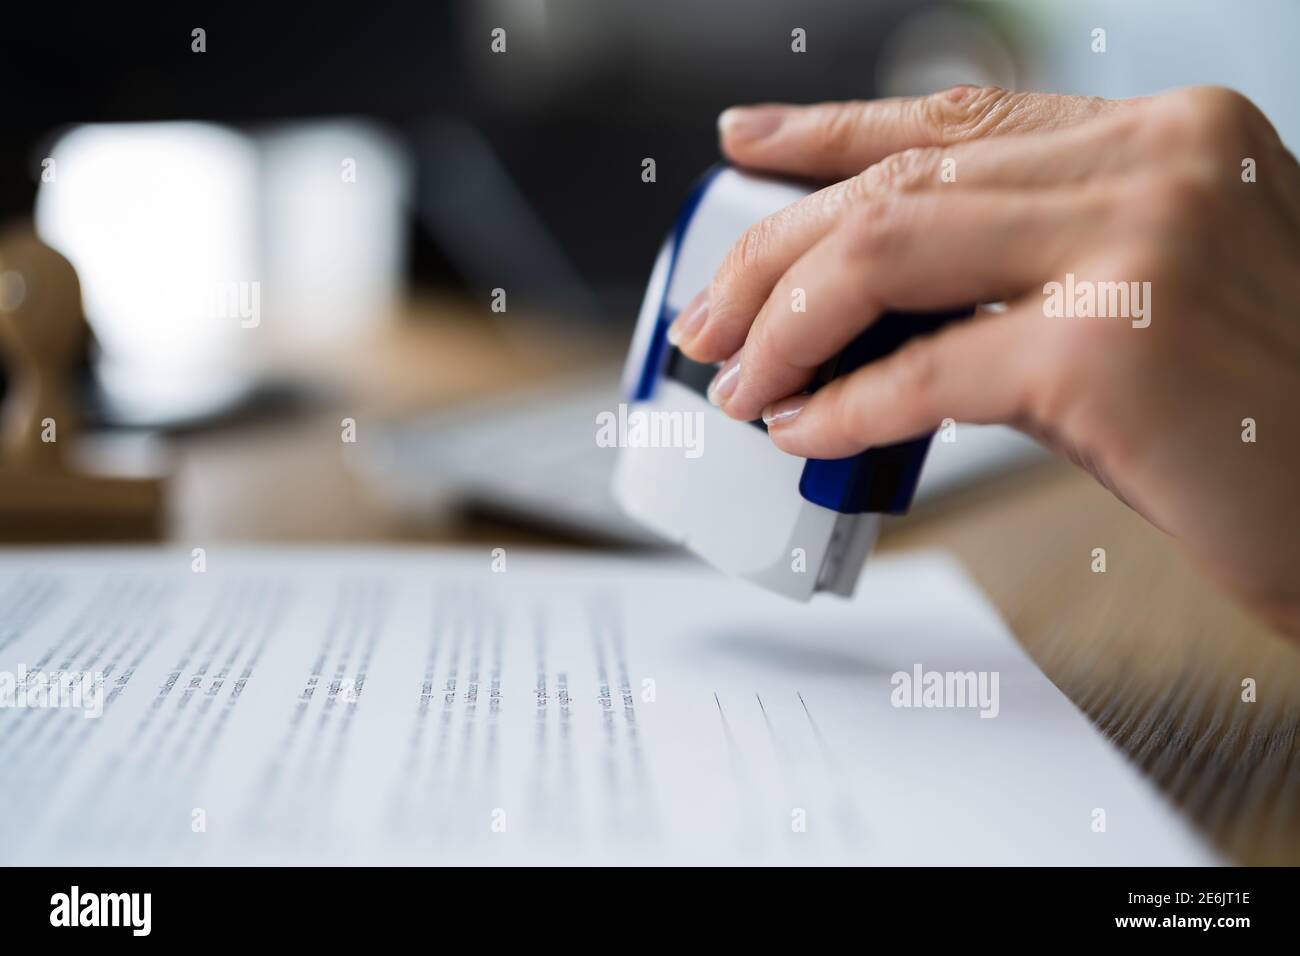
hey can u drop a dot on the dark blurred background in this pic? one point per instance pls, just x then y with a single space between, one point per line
586 89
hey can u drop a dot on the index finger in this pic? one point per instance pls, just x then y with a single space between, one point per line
836 140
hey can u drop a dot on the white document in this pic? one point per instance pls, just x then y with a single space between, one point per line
419 706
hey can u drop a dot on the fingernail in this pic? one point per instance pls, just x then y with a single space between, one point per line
784 411
690 320
724 383
748 123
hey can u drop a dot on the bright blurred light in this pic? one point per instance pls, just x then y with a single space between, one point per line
334 196
159 220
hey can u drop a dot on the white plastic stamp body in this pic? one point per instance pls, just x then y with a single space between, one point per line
737 504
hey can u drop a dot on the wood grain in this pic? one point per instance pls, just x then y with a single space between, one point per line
1149 650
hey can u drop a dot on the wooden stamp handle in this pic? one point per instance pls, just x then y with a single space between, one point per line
42 331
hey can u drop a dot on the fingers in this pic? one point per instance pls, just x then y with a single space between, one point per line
979 372
912 252
714 325
1018 159
836 140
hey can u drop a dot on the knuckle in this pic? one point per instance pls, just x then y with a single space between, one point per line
829 201
964 112
901 171
1052 386
762 342
1165 123
1073 358
852 191
940 114
837 127
740 261
872 231
751 248
845 414
1203 118
913 370
1224 111
778 345
1123 126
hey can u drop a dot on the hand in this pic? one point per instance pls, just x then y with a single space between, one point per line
982 195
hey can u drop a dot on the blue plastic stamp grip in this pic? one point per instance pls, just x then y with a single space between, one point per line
880 479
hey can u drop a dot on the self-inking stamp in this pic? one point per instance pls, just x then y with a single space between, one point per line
793 525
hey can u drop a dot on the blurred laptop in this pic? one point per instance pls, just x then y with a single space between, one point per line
531 456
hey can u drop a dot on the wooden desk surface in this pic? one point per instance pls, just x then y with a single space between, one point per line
1148 649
